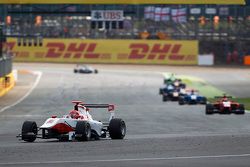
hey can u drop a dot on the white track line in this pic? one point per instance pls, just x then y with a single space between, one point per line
39 75
127 160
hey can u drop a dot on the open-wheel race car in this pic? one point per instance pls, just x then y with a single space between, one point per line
192 97
175 82
172 79
85 69
224 105
172 93
77 125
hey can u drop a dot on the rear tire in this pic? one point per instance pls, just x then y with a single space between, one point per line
209 109
204 100
164 98
96 71
160 91
83 131
241 109
181 101
117 128
29 131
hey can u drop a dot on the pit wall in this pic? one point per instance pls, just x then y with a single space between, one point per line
106 51
6 83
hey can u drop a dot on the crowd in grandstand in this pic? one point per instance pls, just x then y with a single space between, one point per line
184 22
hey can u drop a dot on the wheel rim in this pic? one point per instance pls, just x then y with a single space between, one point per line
34 130
88 132
123 129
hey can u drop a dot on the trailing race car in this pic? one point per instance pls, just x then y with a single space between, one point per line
225 106
77 125
172 93
170 79
84 69
177 82
192 97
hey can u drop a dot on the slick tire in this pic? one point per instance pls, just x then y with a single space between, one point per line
83 131
204 101
117 128
209 109
181 101
29 131
241 109
164 98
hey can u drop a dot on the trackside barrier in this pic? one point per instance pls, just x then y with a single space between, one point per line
247 60
183 52
206 60
6 83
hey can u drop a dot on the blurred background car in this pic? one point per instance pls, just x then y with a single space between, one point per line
85 69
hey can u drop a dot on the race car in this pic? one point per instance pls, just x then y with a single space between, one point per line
225 106
172 79
77 125
192 97
84 69
169 79
172 93
177 83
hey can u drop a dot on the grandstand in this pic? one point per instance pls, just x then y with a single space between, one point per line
225 27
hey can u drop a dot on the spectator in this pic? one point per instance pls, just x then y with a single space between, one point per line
229 57
235 56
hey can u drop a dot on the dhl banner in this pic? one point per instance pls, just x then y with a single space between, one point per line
108 51
122 2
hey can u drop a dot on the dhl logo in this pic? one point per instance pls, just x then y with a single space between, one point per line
157 51
86 50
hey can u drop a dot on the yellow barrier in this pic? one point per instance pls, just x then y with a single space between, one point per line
6 84
108 51
242 2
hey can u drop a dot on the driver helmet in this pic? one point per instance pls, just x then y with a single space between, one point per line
74 114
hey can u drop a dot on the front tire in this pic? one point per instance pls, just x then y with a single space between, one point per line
83 131
29 131
117 128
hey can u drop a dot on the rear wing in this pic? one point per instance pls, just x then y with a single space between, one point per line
218 97
189 90
110 107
